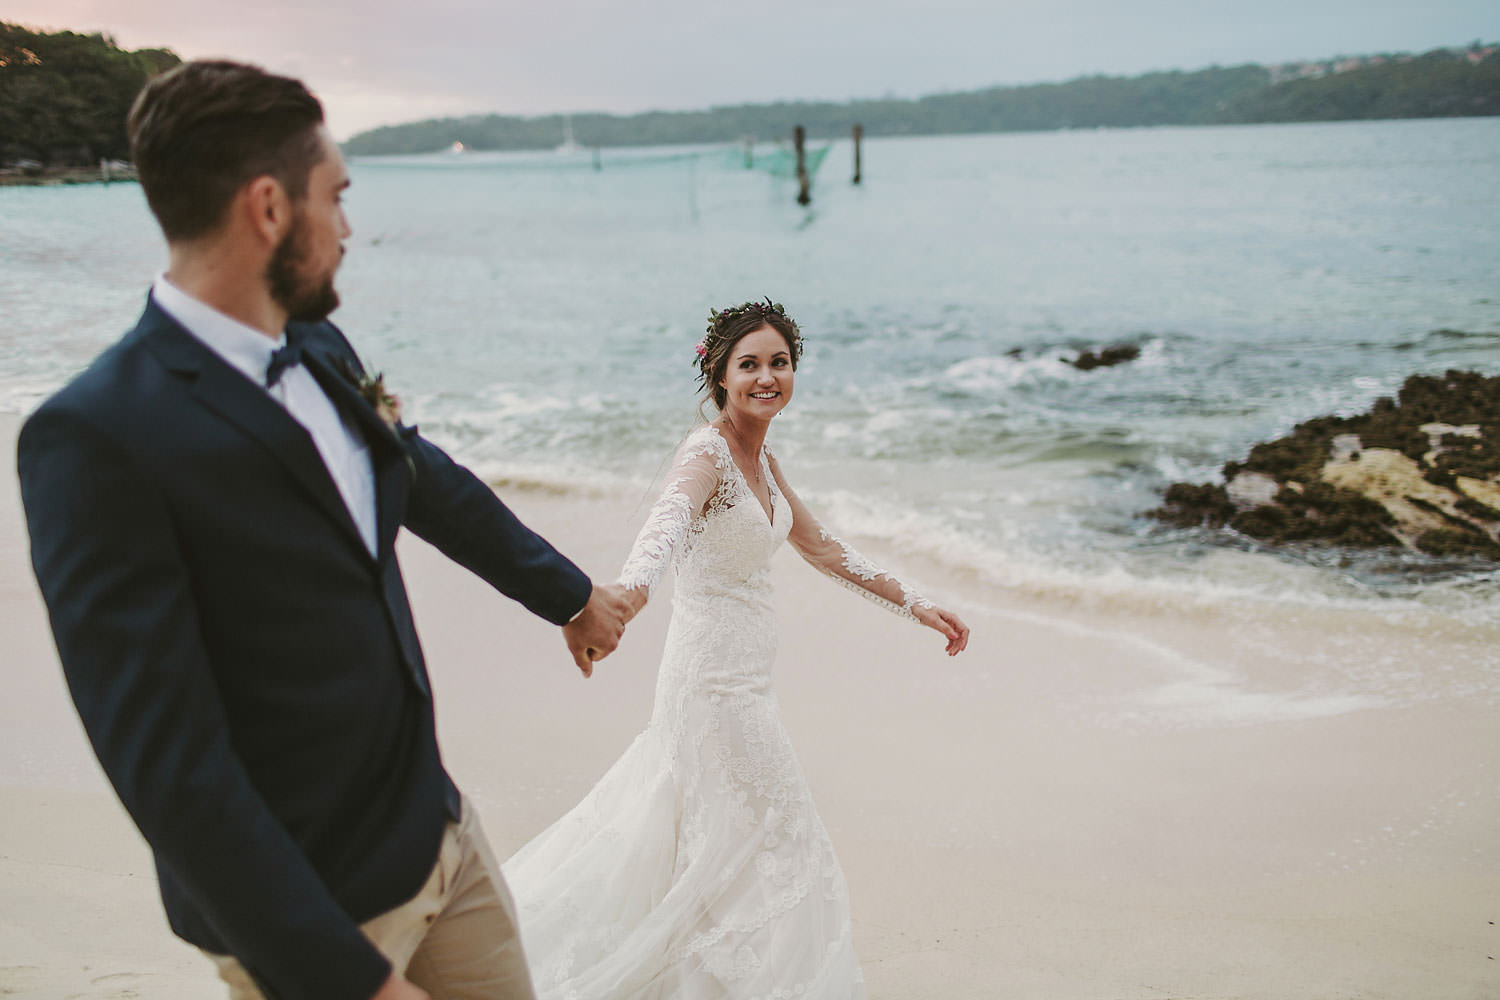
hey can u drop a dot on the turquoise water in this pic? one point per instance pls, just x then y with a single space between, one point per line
539 318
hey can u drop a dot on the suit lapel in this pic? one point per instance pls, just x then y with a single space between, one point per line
227 392
388 455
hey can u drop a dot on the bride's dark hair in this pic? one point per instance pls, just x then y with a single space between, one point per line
727 327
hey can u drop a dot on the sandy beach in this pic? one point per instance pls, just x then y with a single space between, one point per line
1129 800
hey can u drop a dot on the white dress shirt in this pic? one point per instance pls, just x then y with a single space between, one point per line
248 350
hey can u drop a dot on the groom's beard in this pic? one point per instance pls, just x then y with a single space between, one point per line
287 273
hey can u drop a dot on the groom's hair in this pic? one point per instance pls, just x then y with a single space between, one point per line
201 131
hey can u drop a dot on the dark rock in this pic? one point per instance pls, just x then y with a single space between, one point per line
1440 477
1421 471
1454 522
1192 506
1476 458
1297 457
1453 542
1474 508
1320 512
1457 397
1116 355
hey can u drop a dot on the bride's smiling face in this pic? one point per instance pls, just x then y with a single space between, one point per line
757 380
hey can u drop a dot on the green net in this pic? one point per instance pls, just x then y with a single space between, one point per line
778 162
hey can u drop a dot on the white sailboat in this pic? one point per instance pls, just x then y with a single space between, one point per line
568 145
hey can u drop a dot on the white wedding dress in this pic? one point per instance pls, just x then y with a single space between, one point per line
697 868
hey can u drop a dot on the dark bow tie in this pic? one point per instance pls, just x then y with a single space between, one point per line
282 358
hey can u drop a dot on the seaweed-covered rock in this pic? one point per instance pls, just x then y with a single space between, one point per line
1421 471
1190 505
1319 512
1115 355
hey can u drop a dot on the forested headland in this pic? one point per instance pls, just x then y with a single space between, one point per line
64 96
1440 84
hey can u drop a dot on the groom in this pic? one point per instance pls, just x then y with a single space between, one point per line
213 506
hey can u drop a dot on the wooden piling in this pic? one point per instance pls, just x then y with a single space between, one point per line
749 152
804 183
859 135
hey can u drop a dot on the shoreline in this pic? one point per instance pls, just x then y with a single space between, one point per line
1088 803
1257 579
60 176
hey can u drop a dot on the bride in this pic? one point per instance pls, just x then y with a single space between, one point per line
697 867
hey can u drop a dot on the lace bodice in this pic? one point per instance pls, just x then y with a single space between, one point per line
703 486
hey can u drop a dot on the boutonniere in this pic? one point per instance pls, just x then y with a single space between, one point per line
386 404
371 388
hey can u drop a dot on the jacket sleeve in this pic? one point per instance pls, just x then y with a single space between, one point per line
126 623
451 508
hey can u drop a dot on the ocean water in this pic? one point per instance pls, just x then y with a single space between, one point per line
538 317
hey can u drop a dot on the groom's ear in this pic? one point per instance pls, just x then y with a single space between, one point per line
265 208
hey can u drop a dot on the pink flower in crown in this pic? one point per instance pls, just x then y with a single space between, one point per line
701 350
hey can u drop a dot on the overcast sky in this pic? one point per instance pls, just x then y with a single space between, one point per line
382 62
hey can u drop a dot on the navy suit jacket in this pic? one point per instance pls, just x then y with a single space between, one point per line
248 674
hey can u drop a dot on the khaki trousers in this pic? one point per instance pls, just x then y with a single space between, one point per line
457 938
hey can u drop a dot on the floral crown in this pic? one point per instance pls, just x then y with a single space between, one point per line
719 319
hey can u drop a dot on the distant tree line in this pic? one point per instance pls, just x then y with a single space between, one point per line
1443 83
1153 99
1440 84
64 96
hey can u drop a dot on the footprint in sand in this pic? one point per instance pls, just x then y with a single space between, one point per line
18 979
115 986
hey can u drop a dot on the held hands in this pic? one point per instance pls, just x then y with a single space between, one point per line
596 631
947 623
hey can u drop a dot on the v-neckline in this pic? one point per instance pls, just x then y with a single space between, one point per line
768 514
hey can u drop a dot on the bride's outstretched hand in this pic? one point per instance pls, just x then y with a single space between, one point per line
947 623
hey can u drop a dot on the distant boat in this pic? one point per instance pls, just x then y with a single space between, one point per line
568 145
457 148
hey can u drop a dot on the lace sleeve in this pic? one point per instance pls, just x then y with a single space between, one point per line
695 475
837 559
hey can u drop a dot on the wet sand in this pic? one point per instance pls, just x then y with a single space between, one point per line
1135 800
